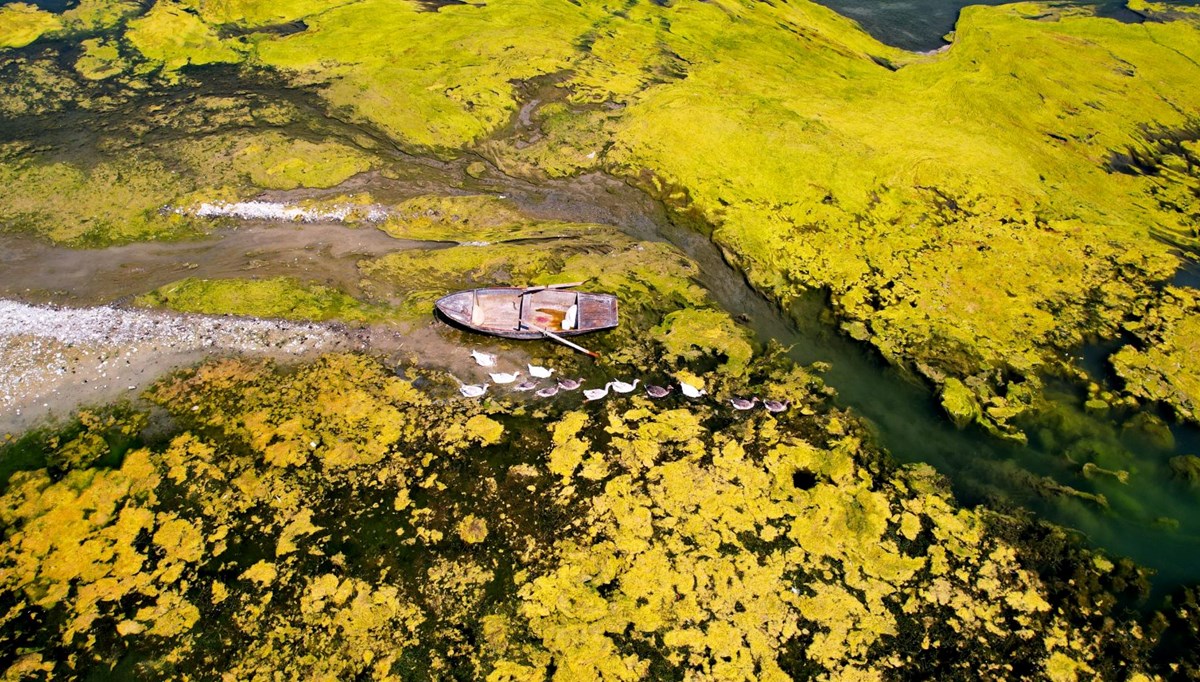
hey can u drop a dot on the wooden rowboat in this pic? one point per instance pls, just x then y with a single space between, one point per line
528 313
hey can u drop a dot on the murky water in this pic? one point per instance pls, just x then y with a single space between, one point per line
50 5
34 271
1188 275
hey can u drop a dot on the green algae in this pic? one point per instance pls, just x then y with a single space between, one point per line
110 202
278 297
821 158
37 86
101 59
432 79
959 402
256 13
274 161
94 16
689 334
567 140
126 194
1164 367
248 515
21 24
174 38
472 529
478 219
897 213
928 241
883 176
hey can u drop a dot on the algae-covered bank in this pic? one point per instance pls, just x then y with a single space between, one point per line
981 257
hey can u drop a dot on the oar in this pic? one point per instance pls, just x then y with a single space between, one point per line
568 285
561 340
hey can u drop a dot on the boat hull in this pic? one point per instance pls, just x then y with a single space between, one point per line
513 313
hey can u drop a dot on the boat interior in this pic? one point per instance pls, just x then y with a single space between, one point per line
548 309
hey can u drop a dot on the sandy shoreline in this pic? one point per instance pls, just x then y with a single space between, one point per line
57 359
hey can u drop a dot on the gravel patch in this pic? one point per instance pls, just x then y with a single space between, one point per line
55 359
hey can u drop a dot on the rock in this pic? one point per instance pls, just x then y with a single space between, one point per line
1147 430
1187 468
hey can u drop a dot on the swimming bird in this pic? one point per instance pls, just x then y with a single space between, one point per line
505 378
742 403
622 387
525 386
570 384
691 391
484 359
547 392
472 390
658 391
540 372
597 393
776 406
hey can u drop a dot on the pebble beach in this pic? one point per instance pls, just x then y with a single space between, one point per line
57 359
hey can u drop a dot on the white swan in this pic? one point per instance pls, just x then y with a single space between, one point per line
622 387
597 393
691 391
472 390
540 372
505 378
484 359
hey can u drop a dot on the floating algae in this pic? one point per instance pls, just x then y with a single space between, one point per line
613 571
279 297
1162 367
21 24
